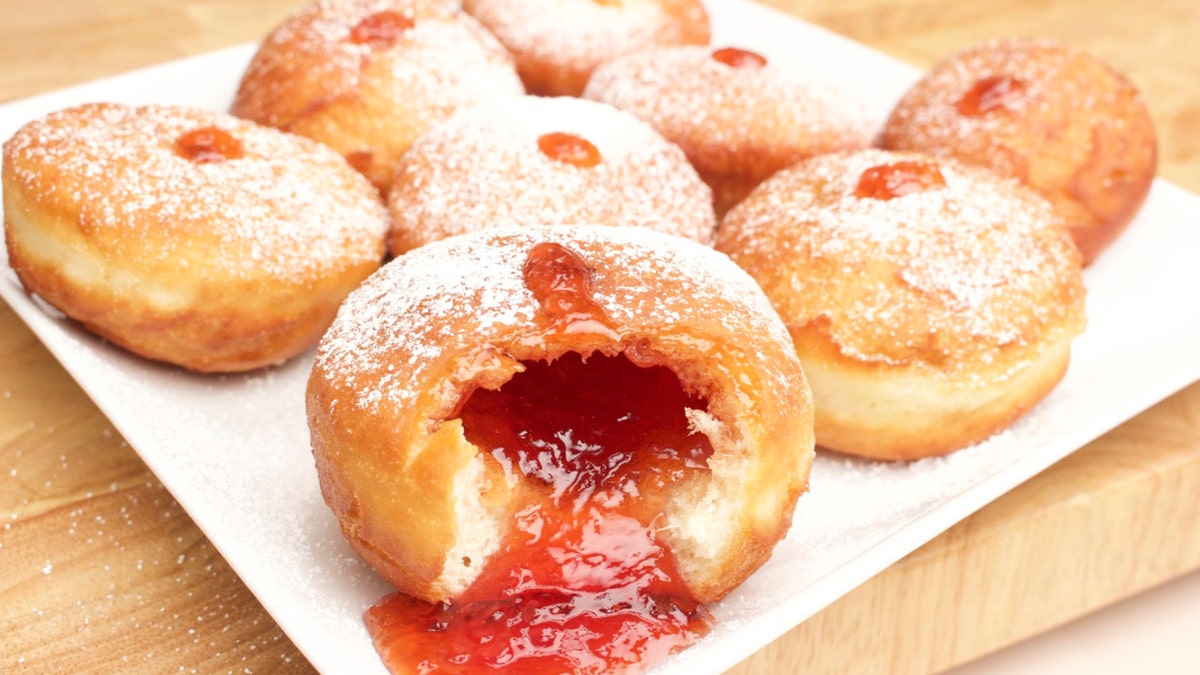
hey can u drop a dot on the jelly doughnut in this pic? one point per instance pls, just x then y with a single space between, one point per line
931 302
738 115
531 417
369 76
1054 117
558 43
531 160
187 236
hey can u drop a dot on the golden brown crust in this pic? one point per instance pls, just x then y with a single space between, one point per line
737 125
219 266
1077 131
925 322
455 315
558 44
371 99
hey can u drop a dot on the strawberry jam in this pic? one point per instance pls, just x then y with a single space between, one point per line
998 92
739 58
888 181
581 582
381 28
569 149
207 145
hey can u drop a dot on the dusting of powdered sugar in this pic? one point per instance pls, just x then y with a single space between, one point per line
483 168
444 61
448 298
288 208
783 111
575 36
947 273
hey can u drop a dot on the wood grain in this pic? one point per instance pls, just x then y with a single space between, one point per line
101 571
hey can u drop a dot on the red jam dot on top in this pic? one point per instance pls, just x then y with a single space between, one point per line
561 282
998 92
888 181
581 582
380 29
207 145
739 58
569 149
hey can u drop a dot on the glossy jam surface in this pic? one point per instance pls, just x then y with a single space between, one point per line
569 149
207 145
888 181
381 28
739 58
581 583
998 92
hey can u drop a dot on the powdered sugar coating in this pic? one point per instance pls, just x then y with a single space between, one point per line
444 301
289 209
947 278
371 99
483 168
1077 131
558 43
740 121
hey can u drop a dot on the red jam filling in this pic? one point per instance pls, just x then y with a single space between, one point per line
381 28
739 58
888 181
992 93
569 149
207 145
581 582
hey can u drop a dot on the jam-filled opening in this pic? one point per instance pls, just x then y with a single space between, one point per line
905 177
995 92
569 149
381 28
208 145
582 581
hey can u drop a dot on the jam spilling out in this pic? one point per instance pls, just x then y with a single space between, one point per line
888 181
581 582
207 145
998 92
569 149
739 58
381 28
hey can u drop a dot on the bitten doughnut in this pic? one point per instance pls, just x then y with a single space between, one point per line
1052 116
532 160
932 303
738 115
590 411
369 76
558 43
187 236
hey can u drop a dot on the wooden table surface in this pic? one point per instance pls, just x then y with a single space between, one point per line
101 571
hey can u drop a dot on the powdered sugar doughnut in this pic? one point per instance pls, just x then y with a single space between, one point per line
739 116
413 347
558 43
369 76
1049 115
932 303
544 161
187 236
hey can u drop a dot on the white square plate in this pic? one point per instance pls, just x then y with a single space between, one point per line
234 450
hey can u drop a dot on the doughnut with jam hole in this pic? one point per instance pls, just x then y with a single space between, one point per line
557 442
1051 116
738 115
558 43
368 77
931 302
532 160
187 236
